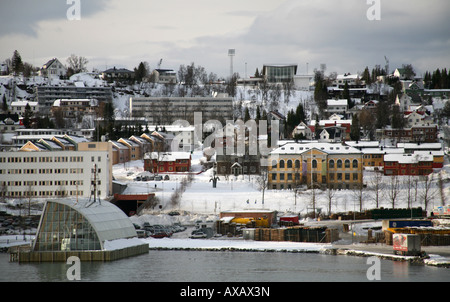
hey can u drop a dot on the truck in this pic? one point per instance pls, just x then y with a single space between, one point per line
289 220
442 211
406 244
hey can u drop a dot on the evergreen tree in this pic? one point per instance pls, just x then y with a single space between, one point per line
366 76
355 129
4 104
258 114
300 114
27 116
140 72
398 121
16 63
246 114
382 113
320 91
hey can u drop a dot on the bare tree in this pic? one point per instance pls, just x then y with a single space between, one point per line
262 181
427 192
330 193
77 64
393 189
411 185
377 186
359 194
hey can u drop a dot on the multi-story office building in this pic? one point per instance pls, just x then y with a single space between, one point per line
332 165
46 95
57 173
167 110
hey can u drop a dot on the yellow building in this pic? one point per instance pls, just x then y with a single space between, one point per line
332 165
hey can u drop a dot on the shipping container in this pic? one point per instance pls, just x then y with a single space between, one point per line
403 223
406 244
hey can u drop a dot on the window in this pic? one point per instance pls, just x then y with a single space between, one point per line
331 164
347 163
281 164
274 164
289 164
355 163
339 164
297 164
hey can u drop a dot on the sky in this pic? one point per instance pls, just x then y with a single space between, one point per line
338 33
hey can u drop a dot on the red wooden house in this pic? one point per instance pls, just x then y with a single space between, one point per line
167 162
408 164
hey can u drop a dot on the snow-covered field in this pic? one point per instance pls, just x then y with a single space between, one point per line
241 192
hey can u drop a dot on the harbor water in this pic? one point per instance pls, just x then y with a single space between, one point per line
226 266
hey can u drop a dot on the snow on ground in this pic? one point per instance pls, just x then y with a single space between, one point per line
241 192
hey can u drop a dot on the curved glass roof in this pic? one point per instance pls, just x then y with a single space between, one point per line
84 225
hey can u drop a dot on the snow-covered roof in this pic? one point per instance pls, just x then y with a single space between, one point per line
383 150
168 156
408 158
23 103
299 148
340 102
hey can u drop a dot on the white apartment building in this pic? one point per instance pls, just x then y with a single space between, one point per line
44 174
19 107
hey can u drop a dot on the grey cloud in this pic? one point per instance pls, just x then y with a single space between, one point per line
22 16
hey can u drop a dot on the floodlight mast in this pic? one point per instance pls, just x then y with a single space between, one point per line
231 54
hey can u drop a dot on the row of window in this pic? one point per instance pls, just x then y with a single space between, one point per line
298 177
47 171
40 193
44 159
331 164
18 183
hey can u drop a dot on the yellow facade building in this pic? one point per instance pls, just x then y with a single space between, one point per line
332 165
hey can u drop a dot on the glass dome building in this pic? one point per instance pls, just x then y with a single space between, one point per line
85 229
67 225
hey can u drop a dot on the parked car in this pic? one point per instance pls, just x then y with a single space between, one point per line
196 234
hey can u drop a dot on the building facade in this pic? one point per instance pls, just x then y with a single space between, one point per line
279 73
43 174
408 164
167 110
170 162
336 166
46 95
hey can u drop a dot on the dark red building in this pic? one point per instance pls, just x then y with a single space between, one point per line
167 162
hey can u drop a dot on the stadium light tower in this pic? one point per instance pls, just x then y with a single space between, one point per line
231 53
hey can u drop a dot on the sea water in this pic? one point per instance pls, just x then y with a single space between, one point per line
226 266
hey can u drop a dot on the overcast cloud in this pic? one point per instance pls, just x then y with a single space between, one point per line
334 32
